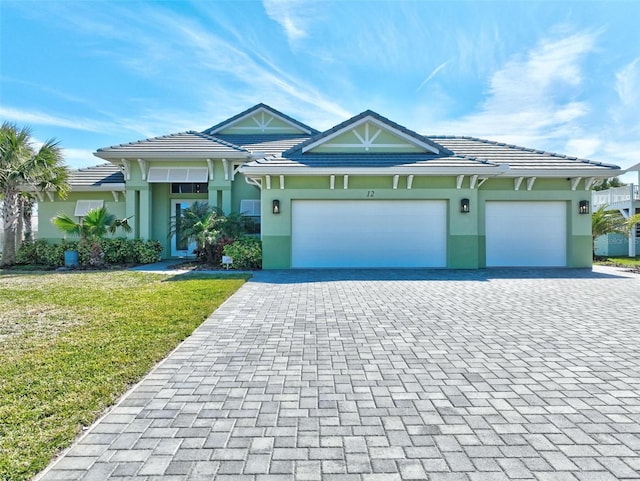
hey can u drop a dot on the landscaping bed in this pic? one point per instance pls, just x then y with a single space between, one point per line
72 343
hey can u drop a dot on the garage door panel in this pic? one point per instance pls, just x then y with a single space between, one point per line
368 233
526 234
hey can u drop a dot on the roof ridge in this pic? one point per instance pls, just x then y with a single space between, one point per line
244 113
362 115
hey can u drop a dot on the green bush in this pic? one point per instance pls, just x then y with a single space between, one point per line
114 251
246 253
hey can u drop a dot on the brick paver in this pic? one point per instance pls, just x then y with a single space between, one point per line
390 375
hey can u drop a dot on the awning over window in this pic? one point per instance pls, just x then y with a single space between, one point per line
161 175
84 206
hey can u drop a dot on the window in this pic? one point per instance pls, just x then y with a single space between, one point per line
250 211
200 188
84 206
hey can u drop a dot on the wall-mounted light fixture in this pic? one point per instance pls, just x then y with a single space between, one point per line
464 206
583 207
276 206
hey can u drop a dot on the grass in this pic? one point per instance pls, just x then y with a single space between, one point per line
631 262
72 343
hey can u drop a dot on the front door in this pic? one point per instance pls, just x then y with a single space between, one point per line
181 248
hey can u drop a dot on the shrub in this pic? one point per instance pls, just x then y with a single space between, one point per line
114 251
246 253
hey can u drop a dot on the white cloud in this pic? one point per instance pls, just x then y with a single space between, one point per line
292 15
533 99
433 73
41 118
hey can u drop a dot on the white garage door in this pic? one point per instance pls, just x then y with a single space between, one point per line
526 233
371 233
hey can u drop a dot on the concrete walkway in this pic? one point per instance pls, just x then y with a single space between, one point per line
390 375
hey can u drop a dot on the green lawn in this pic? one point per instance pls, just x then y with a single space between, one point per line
72 343
620 261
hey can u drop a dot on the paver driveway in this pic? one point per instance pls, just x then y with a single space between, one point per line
390 375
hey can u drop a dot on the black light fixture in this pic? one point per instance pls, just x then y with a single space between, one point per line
276 206
464 206
583 207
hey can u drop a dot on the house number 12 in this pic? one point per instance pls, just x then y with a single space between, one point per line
371 193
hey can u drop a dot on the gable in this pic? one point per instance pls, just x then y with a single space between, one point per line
260 119
370 134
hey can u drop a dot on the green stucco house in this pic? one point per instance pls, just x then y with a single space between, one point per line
365 193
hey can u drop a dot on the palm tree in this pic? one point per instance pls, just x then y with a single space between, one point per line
604 222
22 166
91 228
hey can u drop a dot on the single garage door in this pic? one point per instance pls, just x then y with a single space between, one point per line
526 233
368 233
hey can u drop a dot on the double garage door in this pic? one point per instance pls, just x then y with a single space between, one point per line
375 233
369 233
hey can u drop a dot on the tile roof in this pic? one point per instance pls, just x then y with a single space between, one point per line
517 157
212 130
269 144
187 144
98 175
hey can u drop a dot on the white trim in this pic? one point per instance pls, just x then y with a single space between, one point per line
409 181
126 166
589 182
253 181
482 181
268 180
211 166
252 114
352 126
174 248
50 195
459 181
472 181
516 183
115 195
282 182
345 182
234 170
225 164
396 178
332 182
143 168
530 182
574 182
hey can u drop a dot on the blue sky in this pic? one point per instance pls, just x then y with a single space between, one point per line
560 76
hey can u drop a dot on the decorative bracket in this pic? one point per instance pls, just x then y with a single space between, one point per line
395 181
225 164
574 182
472 181
530 182
211 169
115 195
345 182
589 182
282 182
517 182
143 168
332 182
268 180
459 180
409 181
126 167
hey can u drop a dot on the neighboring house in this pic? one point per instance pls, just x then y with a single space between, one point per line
365 193
626 200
